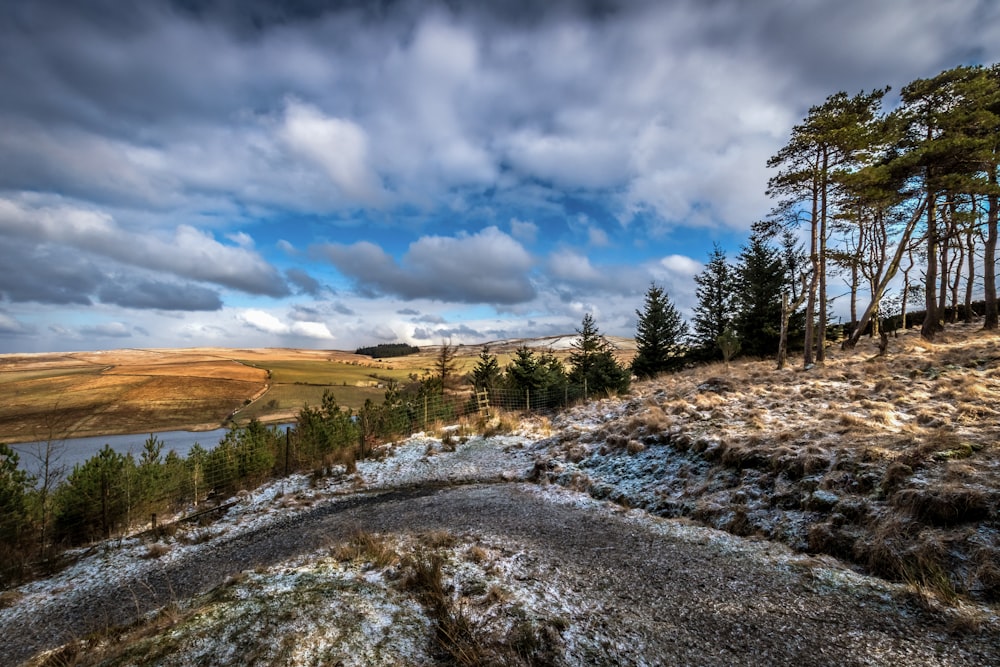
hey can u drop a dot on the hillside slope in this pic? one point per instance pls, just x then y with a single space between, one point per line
441 553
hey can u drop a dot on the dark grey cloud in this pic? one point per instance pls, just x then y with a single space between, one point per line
154 294
305 283
486 267
48 275
109 330
342 309
57 275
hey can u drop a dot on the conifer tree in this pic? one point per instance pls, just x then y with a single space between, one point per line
659 335
714 312
760 280
593 367
14 487
486 374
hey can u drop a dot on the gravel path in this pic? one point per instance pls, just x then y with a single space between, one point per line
672 594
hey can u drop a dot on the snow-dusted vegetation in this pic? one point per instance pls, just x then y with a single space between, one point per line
721 515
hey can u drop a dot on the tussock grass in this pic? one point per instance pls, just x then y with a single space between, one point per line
902 447
460 635
367 547
945 505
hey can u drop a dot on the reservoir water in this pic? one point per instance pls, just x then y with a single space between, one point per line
74 451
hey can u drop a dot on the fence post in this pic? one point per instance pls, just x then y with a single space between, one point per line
425 410
527 399
585 393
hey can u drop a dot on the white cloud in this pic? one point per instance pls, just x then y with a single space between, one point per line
269 324
572 266
264 322
489 266
337 145
681 266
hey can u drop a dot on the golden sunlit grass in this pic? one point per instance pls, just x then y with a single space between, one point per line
132 391
901 450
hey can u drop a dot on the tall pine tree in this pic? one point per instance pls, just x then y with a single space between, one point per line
760 281
714 312
659 335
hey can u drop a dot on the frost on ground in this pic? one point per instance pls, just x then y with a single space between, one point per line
890 463
819 478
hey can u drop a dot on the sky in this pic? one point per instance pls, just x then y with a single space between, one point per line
336 174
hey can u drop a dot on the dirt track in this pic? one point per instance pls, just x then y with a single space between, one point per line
669 599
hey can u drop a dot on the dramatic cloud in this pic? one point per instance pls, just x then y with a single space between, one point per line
306 283
338 146
142 293
187 252
171 159
489 267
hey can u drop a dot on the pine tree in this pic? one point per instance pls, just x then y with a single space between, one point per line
15 485
593 367
714 312
659 334
760 280
486 374
444 363
535 381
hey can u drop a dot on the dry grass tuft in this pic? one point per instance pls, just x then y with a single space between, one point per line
367 547
986 577
944 505
634 447
477 554
438 539
156 550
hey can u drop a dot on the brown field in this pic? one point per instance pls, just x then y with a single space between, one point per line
62 395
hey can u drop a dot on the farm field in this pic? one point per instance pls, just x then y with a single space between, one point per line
80 394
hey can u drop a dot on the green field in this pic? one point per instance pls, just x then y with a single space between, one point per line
297 383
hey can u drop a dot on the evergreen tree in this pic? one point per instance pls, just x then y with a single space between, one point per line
593 367
444 363
14 487
535 382
659 334
830 142
714 312
487 374
760 280
94 501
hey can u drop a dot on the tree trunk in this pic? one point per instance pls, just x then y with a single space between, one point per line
990 321
807 355
854 292
783 337
890 273
970 276
931 318
821 328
